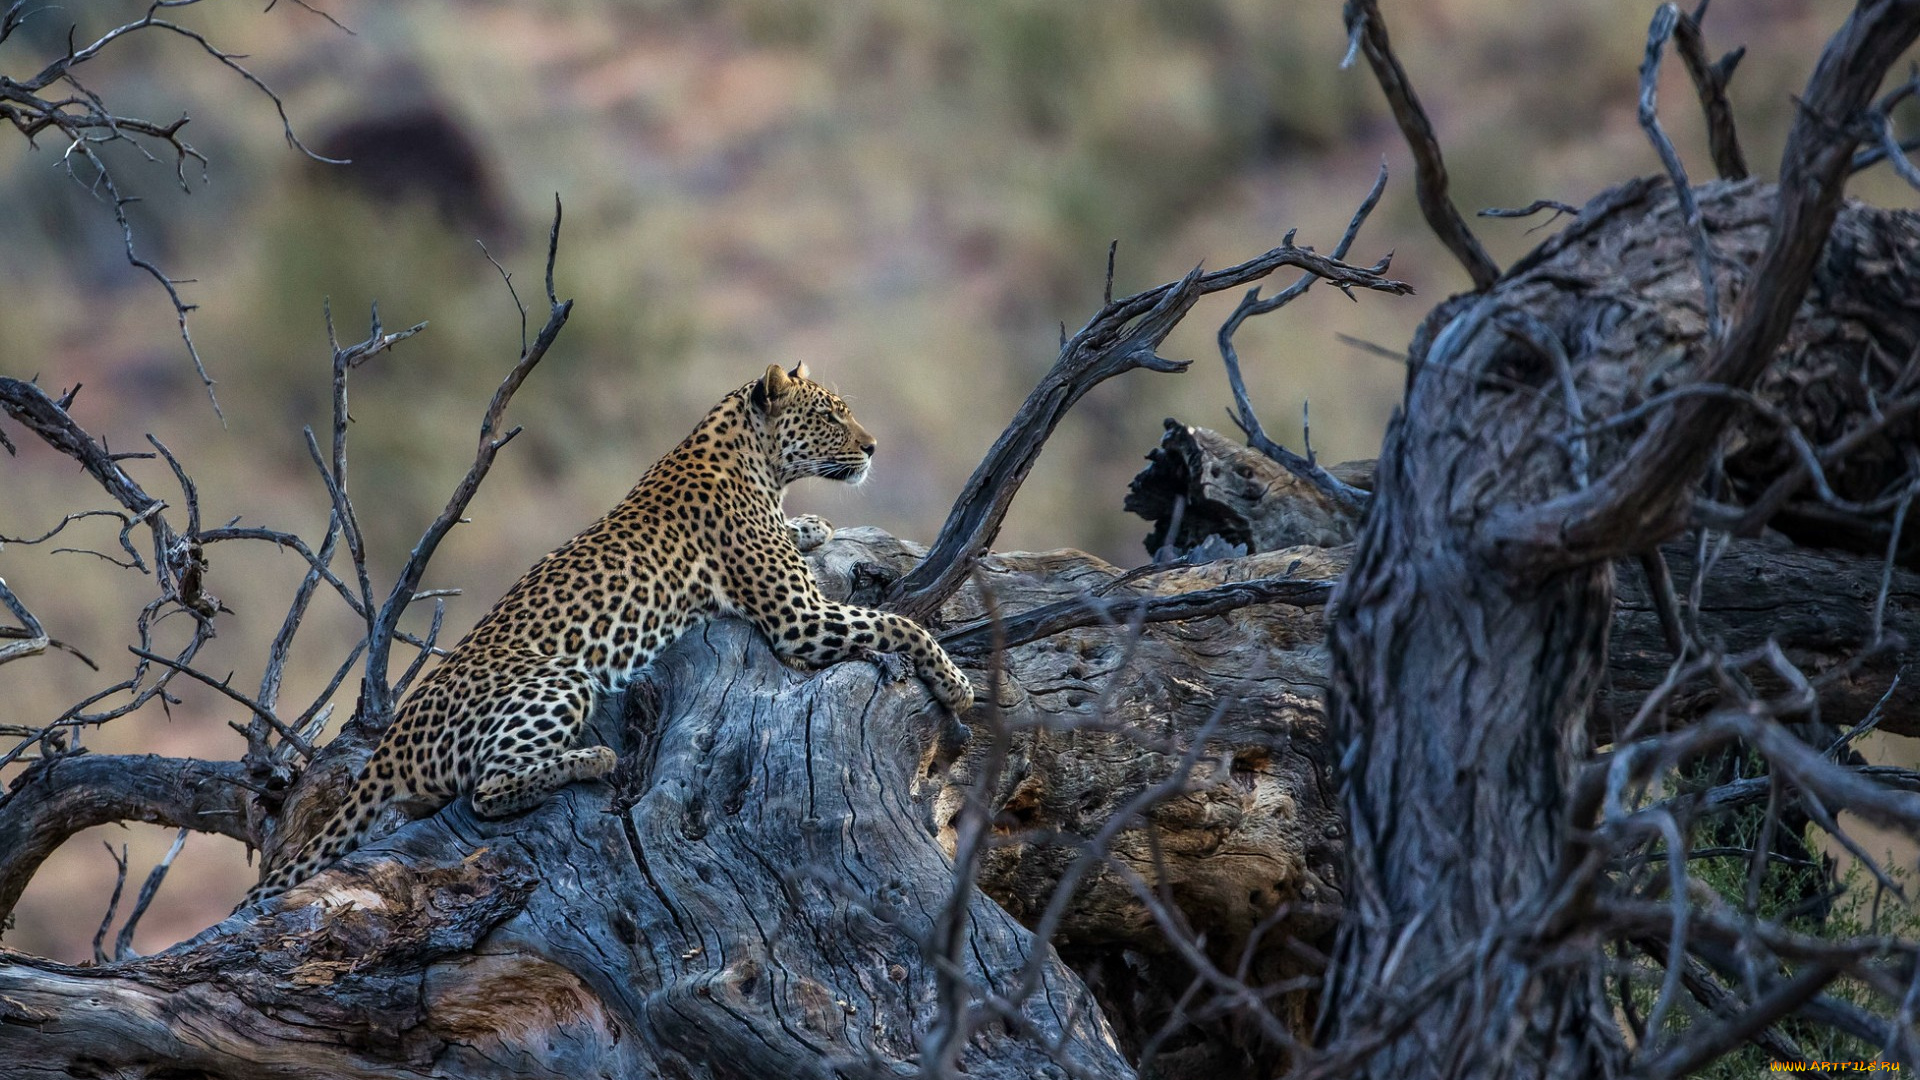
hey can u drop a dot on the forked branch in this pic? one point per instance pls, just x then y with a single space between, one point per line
1887 145
1306 468
377 689
1122 336
30 406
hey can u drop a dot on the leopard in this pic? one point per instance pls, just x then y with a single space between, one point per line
701 536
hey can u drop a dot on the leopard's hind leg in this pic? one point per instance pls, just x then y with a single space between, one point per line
523 753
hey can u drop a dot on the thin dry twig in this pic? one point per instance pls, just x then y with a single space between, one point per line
1307 468
1531 209
225 687
1722 1003
113 902
87 124
1665 18
1879 121
947 944
123 944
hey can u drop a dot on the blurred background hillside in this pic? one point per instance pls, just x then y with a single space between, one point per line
910 197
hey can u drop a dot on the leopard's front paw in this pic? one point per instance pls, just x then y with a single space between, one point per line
592 763
809 531
948 684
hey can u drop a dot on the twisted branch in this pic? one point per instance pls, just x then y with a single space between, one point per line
1122 336
1367 33
1645 498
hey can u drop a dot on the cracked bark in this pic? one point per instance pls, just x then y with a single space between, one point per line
1472 633
750 914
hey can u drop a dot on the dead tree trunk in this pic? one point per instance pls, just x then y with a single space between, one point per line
759 890
1472 625
751 914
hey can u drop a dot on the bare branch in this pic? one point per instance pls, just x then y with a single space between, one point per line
60 796
282 644
1306 468
1531 209
1123 336
420 659
1367 30
100 955
1880 123
977 638
1723 1004
303 5
377 691
946 945
123 943
1710 82
333 471
87 123
29 639
225 687
1664 19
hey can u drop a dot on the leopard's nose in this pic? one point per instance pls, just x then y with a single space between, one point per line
868 449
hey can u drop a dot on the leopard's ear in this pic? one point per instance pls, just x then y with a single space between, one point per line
799 370
771 386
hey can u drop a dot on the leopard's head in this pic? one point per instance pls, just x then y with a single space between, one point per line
814 433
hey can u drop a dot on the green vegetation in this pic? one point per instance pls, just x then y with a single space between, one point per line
1811 887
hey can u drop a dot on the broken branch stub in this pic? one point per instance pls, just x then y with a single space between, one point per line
1122 336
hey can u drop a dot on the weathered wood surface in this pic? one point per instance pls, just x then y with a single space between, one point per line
1817 605
758 910
1102 714
754 914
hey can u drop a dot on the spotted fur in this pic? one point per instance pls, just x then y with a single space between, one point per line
701 535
